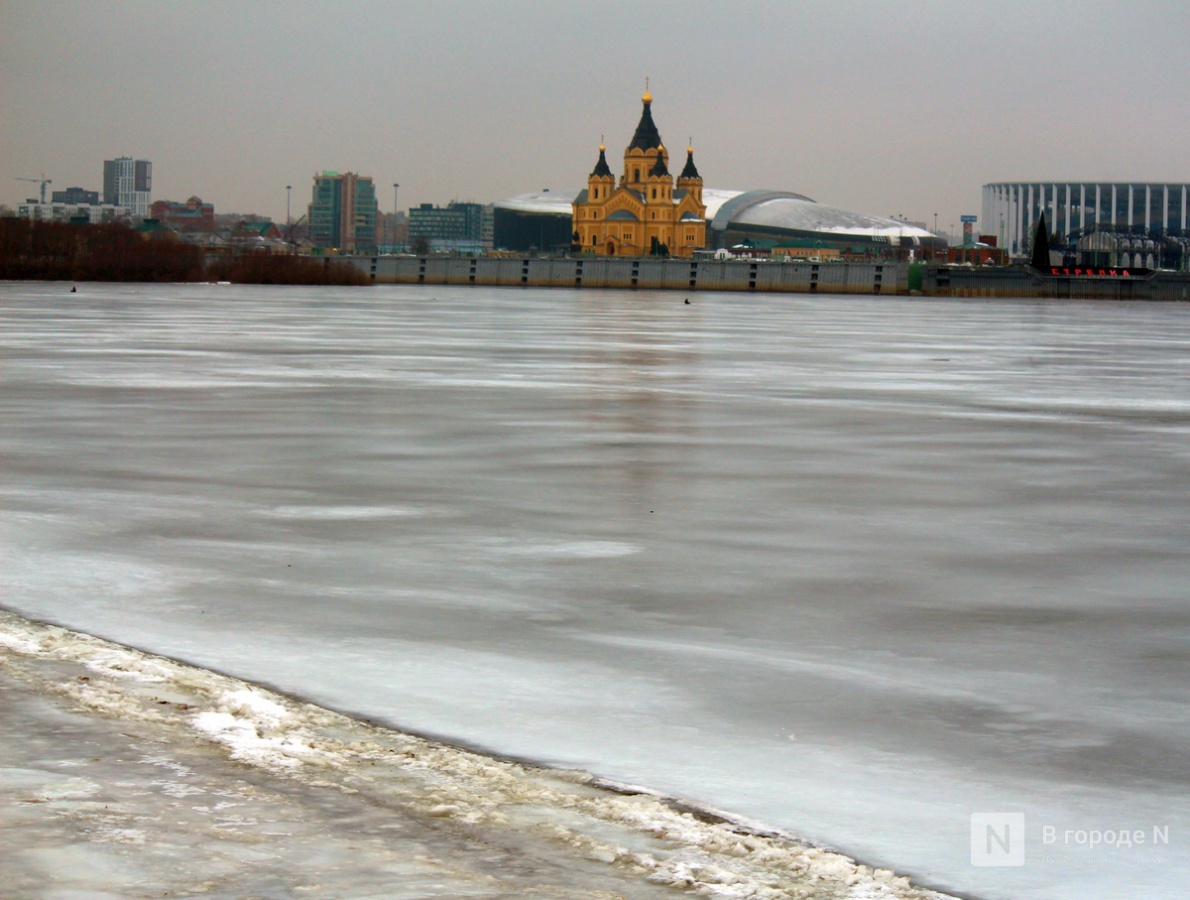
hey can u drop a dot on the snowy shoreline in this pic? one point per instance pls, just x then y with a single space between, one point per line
423 803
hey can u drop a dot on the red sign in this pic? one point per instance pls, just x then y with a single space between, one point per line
1098 272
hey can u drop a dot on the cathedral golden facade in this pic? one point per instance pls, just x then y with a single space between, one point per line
647 213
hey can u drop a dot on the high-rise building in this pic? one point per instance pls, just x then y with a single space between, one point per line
128 182
343 212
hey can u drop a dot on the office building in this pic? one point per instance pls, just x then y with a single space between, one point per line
459 227
75 196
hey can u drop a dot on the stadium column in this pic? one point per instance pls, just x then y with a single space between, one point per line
1000 212
1017 213
1022 212
1028 207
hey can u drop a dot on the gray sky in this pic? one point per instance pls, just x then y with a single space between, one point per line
891 107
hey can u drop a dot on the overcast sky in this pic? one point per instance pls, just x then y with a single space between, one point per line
891 107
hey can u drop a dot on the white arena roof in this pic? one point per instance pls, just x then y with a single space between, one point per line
784 211
779 210
548 202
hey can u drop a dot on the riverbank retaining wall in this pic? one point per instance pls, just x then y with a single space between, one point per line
644 273
1021 281
764 275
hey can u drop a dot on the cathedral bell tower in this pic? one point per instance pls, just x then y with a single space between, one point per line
689 179
601 182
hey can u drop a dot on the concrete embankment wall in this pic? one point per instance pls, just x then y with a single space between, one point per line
750 275
1020 281
650 274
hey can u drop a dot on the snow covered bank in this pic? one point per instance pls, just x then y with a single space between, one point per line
168 777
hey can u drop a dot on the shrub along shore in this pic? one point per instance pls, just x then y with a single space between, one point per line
59 251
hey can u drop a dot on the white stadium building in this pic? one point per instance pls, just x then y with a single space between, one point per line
1077 208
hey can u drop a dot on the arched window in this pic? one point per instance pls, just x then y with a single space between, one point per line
594 240
636 174
654 193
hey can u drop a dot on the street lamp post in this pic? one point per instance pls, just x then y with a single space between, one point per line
396 187
288 217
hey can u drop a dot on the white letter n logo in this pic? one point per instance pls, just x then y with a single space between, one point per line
997 839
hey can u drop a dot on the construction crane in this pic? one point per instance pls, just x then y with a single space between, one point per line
43 181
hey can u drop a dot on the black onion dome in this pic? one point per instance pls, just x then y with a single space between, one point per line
601 167
690 171
659 167
646 136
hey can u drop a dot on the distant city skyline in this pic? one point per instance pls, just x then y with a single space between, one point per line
887 108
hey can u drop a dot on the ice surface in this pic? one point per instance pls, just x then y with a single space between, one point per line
855 568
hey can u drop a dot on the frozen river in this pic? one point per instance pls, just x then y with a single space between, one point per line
857 568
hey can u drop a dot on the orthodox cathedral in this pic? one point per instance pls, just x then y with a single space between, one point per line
647 213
